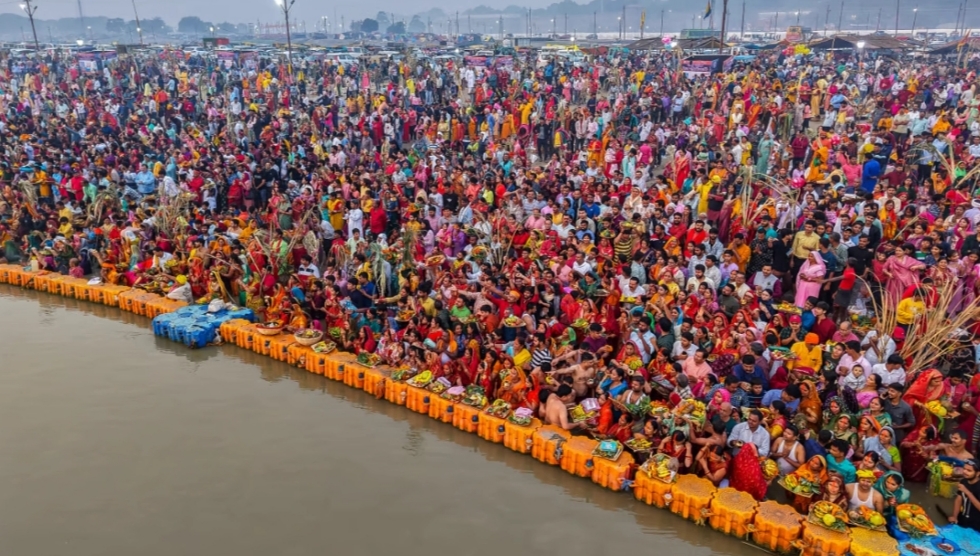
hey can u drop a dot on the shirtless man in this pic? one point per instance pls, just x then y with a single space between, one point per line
583 374
635 394
556 411
860 494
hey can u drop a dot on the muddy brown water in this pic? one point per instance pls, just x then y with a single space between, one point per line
115 442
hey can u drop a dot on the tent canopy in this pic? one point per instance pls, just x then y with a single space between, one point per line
656 43
850 42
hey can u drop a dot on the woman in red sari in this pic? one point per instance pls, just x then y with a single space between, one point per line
484 370
677 446
513 385
364 342
746 473
680 167
662 366
719 326
926 387
915 455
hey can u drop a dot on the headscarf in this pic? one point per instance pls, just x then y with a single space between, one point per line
841 498
919 390
901 496
746 473
815 477
811 405
819 263
846 435
865 474
873 444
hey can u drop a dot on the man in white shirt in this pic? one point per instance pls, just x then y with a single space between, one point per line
877 350
892 370
684 348
644 339
565 227
580 265
750 431
631 287
307 268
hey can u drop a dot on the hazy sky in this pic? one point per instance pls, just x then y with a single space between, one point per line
241 11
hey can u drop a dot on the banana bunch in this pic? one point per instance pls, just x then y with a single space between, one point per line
639 444
769 469
823 508
661 469
946 469
423 378
937 408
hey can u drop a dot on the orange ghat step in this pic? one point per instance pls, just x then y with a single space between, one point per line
41 282
418 399
442 409
354 376
691 496
865 542
545 444
374 381
491 428
396 392
732 511
577 456
466 417
279 347
612 474
820 541
300 356
55 283
519 438
651 491
776 526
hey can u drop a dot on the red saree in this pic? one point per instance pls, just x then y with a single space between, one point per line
746 473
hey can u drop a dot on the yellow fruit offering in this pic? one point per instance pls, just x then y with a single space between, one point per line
876 520
829 520
904 515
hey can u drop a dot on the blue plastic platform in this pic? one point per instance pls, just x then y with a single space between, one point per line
965 542
194 326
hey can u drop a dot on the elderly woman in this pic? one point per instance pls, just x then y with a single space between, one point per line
883 445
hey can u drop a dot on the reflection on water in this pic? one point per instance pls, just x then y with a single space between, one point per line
118 442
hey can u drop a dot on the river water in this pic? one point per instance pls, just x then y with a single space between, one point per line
115 442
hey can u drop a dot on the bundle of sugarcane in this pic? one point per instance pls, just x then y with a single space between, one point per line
756 201
30 196
410 239
311 242
936 331
104 201
173 214
947 162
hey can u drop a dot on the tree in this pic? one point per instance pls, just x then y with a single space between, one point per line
155 25
369 25
396 28
355 25
193 25
114 25
383 20
416 25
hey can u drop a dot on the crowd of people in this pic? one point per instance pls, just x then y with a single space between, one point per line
793 244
